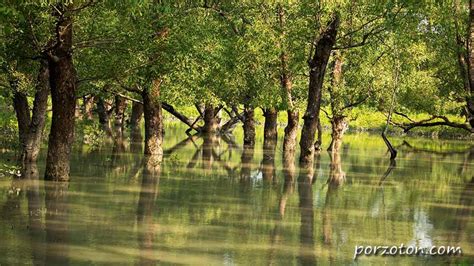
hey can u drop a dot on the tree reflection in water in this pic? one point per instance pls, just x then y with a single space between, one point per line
145 209
305 194
57 213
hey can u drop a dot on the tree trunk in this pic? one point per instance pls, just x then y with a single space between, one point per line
63 89
270 132
137 113
153 120
135 132
268 161
88 103
249 126
289 172
470 51
120 107
246 162
207 151
291 131
34 135
103 116
211 122
339 127
22 110
319 140
317 66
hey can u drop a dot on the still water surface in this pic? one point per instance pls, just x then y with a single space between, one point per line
215 203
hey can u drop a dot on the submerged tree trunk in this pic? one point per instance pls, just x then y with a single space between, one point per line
63 88
270 130
34 135
249 126
103 116
289 172
246 163
135 132
211 121
319 140
339 127
317 65
22 110
268 161
470 51
291 131
153 120
120 106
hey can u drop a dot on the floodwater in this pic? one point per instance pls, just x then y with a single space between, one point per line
211 202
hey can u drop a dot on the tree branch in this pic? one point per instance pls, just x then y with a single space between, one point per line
429 122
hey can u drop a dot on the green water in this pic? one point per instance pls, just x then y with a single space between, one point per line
205 206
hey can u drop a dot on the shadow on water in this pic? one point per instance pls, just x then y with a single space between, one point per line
146 209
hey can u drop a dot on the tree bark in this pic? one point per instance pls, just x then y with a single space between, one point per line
103 116
289 172
211 122
135 132
120 107
34 134
88 103
470 56
136 117
22 110
270 130
268 161
153 120
246 163
319 140
339 127
317 66
291 131
63 88
249 126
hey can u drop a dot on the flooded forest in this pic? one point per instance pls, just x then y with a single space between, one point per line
212 132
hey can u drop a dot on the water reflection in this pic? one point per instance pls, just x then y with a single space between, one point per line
146 210
302 218
306 255
337 177
35 226
246 163
56 223
268 161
